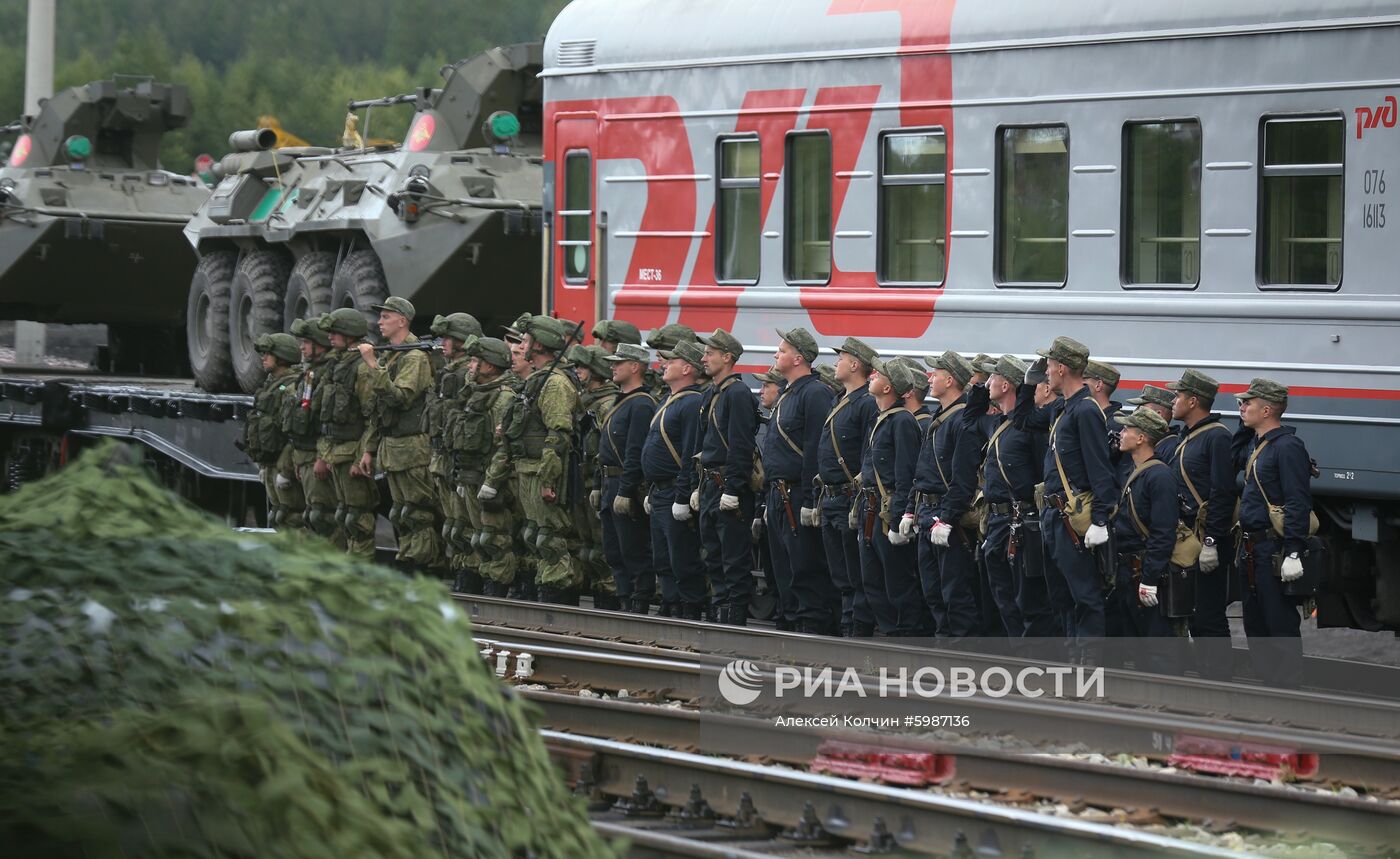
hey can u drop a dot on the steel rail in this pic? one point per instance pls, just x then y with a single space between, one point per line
1173 794
920 821
651 842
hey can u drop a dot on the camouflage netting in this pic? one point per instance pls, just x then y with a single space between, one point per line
172 688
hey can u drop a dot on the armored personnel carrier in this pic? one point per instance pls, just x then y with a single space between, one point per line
449 219
90 224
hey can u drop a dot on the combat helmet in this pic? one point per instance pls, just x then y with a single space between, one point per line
458 326
283 347
310 329
347 321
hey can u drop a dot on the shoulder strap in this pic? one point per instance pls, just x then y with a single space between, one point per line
1127 494
607 421
993 445
944 415
1251 473
661 416
831 430
879 419
778 423
714 421
1060 466
1181 459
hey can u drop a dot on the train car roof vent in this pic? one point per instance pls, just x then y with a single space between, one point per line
577 53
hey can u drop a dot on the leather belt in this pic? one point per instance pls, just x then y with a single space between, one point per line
613 471
927 498
999 508
1264 536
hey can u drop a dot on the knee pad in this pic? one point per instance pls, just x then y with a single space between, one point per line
478 539
274 516
396 514
529 533
457 533
447 529
323 520
415 518
340 514
354 517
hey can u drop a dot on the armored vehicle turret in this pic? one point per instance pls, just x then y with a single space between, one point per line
90 223
449 219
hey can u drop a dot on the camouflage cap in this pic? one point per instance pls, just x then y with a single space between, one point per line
547 332
982 358
957 366
1067 351
1196 383
916 370
1151 394
827 374
723 341
630 352
1146 420
901 376
802 340
688 351
458 326
859 348
667 336
771 377
492 350
1106 373
617 331
1009 367
592 357
346 321
308 329
399 305
284 347
1265 389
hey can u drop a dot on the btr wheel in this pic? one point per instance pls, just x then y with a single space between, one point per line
309 287
255 308
206 321
360 283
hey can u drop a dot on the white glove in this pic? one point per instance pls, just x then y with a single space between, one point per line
1096 536
461 491
756 528
680 512
810 517
1210 559
694 500
728 502
282 482
622 506
646 504
485 493
1292 568
262 473
907 526
940 532
853 520
1147 595
897 538
595 499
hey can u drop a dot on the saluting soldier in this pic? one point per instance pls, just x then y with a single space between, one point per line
597 397
980 376
1160 401
537 428
790 469
1145 533
477 445
1276 519
888 560
672 432
264 439
301 422
443 410
611 333
827 374
621 483
839 455
346 410
400 387
917 398
725 453
1203 461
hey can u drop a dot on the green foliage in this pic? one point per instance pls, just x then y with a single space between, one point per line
297 60
172 688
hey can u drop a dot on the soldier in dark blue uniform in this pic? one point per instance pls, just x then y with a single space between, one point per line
839 453
1277 472
1102 381
764 528
888 563
1204 465
1078 448
790 469
675 543
1145 534
947 477
626 529
725 447
1160 400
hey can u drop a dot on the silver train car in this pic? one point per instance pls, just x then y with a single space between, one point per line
1196 184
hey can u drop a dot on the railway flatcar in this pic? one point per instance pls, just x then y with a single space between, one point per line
1194 184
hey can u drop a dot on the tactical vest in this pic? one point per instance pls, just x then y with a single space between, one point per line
473 433
263 437
596 406
299 417
398 423
523 428
443 409
342 417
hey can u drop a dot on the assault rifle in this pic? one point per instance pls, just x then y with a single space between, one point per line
420 346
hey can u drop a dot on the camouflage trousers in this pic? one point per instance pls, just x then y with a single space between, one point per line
319 496
285 505
598 577
456 529
415 518
495 551
356 499
549 531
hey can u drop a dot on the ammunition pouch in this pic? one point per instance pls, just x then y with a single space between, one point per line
1177 595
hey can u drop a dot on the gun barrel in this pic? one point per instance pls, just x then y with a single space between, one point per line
13 128
252 140
382 102
421 346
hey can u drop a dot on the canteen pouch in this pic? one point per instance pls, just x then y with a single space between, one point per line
976 515
1178 592
1187 551
1276 520
1079 511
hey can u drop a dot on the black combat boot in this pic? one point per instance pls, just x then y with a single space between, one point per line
712 612
737 614
692 611
491 588
862 630
782 624
607 602
813 627
639 605
667 609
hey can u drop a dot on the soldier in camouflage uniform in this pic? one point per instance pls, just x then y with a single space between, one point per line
537 429
609 333
345 402
264 440
598 394
444 409
302 423
493 552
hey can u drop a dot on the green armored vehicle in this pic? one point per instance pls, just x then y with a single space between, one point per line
449 219
90 224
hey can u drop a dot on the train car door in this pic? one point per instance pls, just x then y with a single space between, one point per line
576 258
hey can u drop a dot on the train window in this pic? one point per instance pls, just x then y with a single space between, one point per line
808 210
1033 206
1300 201
737 219
1162 209
913 217
577 215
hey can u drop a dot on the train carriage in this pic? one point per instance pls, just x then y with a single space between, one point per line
1197 184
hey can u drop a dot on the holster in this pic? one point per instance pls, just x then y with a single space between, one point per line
787 504
1178 594
871 499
